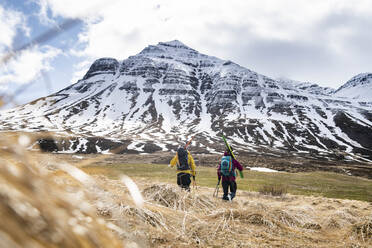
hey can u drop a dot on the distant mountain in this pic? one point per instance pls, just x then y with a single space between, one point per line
311 88
169 91
359 87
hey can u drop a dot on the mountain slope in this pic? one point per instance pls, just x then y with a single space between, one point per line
168 92
359 87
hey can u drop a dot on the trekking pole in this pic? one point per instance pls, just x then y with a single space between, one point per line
215 194
194 183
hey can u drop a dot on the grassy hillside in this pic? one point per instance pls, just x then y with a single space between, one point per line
325 184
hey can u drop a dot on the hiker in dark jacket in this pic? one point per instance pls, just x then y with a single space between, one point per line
228 179
185 167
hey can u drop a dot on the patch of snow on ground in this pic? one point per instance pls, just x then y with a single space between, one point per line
133 146
262 169
162 146
211 150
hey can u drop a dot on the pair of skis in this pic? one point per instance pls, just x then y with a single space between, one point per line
232 154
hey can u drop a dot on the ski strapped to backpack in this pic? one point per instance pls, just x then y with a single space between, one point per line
231 153
189 142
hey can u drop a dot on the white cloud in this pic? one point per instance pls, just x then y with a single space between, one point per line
122 28
43 12
10 22
3 87
164 19
80 70
71 8
27 65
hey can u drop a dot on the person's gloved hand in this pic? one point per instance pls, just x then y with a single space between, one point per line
169 165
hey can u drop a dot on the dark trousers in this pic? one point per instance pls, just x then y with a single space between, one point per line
233 187
183 180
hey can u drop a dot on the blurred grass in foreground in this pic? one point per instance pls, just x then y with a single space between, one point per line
327 184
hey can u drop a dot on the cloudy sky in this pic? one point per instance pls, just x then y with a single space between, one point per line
321 41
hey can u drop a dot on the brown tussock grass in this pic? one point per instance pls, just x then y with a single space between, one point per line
47 204
37 212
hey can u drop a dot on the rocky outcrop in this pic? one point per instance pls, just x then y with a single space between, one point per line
102 66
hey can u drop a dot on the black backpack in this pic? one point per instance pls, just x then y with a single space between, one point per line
182 159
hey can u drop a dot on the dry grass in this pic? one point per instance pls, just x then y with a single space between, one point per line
36 211
47 203
274 190
364 230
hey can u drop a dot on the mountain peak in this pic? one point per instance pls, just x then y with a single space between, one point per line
174 47
360 79
173 43
363 78
358 87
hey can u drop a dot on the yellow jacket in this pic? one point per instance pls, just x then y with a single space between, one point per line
190 161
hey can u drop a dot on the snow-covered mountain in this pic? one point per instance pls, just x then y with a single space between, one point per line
359 87
170 92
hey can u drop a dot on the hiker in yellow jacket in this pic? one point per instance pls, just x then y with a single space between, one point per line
185 168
